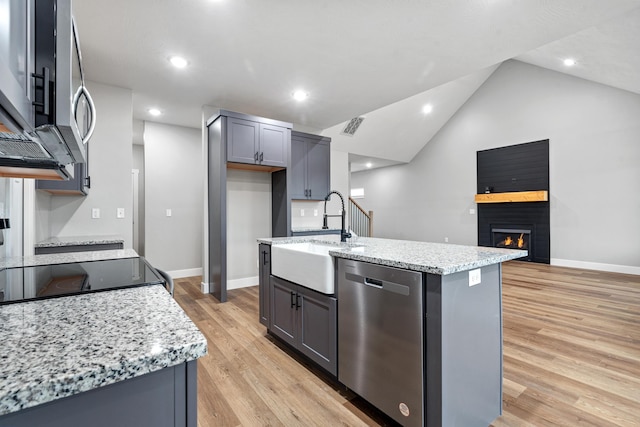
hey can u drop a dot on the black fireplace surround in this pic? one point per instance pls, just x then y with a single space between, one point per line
522 167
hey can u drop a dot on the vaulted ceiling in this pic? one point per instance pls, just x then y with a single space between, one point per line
380 58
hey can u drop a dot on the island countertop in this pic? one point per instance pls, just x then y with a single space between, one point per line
62 346
435 258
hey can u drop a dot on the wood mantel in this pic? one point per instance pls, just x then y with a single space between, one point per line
513 197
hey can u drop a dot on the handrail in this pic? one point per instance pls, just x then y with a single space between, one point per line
361 221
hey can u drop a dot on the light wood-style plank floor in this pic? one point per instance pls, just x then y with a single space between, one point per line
571 357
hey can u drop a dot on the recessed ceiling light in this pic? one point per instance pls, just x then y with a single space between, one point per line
178 61
427 109
300 95
154 111
569 62
369 165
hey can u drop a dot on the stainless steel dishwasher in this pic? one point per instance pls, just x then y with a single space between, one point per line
380 337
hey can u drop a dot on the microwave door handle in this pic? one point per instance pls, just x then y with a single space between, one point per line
82 91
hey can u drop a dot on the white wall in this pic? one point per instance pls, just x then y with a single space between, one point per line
110 170
248 219
594 167
173 180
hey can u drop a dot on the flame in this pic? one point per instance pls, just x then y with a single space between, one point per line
508 241
521 241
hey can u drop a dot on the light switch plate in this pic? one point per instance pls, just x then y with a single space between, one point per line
95 213
120 213
168 212
474 277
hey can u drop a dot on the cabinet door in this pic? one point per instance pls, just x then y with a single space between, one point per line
317 329
283 316
264 263
273 145
298 168
318 170
242 141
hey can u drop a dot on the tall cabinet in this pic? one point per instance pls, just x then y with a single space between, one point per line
241 141
299 166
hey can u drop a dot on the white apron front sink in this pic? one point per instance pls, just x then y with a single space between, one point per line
307 264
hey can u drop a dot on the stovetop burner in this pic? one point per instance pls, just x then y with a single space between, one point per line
47 281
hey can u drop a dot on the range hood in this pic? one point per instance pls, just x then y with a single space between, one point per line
25 156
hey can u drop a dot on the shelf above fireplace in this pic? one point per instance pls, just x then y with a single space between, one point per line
513 197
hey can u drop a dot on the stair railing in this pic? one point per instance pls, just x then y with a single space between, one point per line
360 220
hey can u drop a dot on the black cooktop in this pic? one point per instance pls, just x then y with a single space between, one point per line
49 281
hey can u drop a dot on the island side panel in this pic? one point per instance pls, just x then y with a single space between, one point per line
471 319
164 398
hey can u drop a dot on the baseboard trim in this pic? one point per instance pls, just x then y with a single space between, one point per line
242 283
189 272
614 268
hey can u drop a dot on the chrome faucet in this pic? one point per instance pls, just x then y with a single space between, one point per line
344 234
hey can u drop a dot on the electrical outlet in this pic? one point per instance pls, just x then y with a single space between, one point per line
301 212
472 211
120 213
446 240
95 213
315 212
474 277
168 212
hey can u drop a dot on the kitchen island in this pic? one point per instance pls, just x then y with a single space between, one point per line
418 327
118 357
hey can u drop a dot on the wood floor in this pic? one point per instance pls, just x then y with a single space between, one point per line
571 357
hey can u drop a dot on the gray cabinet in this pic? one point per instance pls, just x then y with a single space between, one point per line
306 320
264 271
233 139
310 166
77 186
257 143
164 398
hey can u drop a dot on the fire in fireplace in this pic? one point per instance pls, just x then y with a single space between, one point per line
512 238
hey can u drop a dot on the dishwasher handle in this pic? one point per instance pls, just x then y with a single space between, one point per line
384 285
373 282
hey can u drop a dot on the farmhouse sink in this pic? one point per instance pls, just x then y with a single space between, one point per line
307 264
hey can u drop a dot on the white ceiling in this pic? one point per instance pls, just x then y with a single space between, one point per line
353 57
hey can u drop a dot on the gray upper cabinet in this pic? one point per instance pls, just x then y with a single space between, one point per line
256 143
310 166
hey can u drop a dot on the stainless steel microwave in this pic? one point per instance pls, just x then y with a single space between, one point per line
46 112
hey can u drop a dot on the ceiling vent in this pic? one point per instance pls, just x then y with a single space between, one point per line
353 125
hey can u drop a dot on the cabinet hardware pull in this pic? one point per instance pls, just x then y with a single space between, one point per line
45 90
255 156
297 301
293 301
264 258
261 157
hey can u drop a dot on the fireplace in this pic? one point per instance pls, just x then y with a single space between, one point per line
513 199
513 238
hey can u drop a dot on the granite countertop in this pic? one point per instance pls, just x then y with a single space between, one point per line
78 241
436 258
313 229
58 347
65 258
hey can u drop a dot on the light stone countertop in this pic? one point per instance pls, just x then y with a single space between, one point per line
78 241
436 258
64 258
59 347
